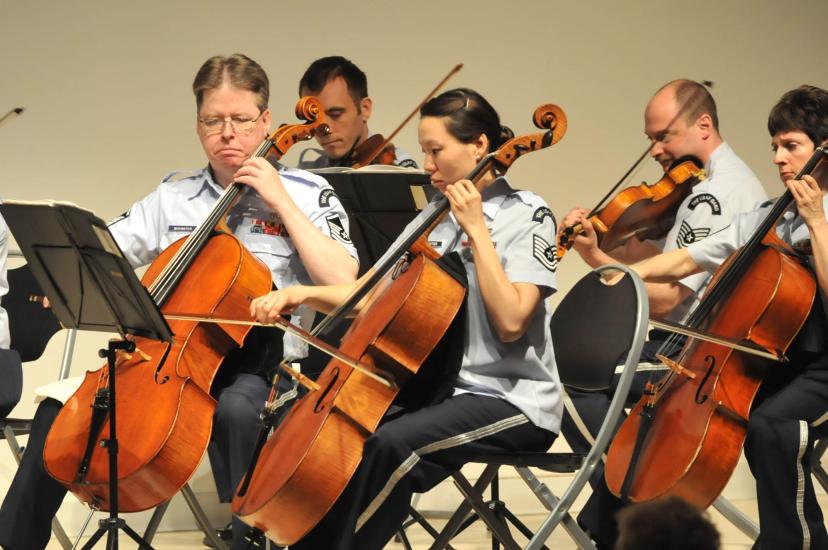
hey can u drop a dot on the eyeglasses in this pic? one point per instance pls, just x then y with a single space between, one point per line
240 125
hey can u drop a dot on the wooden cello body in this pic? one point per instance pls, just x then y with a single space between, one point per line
307 463
684 437
699 423
320 443
165 410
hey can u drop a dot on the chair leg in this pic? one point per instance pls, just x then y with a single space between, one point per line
201 517
17 451
550 501
198 514
460 519
736 517
500 530
155 521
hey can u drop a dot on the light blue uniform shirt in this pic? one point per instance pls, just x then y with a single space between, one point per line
711 253
522 372
184 199
730 188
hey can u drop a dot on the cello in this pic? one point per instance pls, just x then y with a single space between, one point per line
165 410
685 436
304 467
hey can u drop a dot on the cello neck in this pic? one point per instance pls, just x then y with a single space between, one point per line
167 280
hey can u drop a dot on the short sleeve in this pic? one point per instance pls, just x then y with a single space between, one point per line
137 231
530 255
325 211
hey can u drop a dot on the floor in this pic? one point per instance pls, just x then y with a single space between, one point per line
474 538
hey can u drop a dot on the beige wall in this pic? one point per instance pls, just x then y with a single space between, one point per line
106 86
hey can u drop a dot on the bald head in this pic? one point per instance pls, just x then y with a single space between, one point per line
680 120
690 99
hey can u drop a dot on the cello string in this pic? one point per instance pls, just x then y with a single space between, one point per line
722 288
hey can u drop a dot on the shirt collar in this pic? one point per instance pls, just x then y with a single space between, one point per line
208 184
723 150
494 195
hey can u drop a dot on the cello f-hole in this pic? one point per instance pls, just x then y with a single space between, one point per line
319 407
711 361
160 366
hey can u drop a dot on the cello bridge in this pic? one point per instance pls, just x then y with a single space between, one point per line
675 367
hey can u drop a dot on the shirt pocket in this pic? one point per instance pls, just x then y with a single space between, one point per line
278 253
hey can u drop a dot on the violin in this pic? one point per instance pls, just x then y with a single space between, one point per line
376 149
305 465
165 410
642 211
684 437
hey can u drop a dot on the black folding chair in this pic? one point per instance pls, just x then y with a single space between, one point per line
593 326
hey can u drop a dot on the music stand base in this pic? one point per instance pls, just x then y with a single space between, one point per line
113 523
109 527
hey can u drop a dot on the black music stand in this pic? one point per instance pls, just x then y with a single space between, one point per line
90 286
380 201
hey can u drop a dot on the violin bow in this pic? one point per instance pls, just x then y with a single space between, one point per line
693 101
393 134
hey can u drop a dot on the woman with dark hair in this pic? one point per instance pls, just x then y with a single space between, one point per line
507 395
791 410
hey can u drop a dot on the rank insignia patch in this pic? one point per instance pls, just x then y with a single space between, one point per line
544 252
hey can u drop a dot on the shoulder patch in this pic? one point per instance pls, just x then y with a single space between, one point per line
337 229
541 213
544 253
688 235
706 198
325 197
407 163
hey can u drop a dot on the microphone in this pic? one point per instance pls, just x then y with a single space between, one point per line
14 113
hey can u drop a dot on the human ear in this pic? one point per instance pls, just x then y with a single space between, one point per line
365 107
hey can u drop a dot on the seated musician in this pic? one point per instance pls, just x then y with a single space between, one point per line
11 372
680 119
789 413
280 219
507 394
343 90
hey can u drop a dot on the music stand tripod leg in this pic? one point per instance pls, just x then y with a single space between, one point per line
113 523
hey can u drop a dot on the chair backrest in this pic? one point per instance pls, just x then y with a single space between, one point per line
595 325
30 324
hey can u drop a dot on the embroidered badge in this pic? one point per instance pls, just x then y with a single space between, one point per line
689 235
544 253
181 228
706 198
263 227
337 230
325 197
541 213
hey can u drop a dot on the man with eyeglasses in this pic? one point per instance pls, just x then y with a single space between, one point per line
288 218
343 90
680 120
